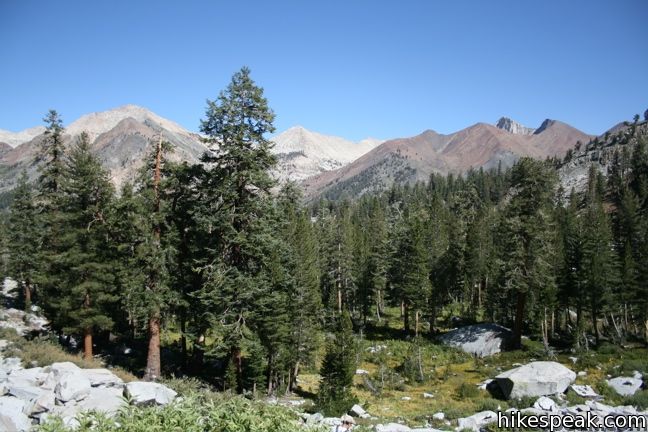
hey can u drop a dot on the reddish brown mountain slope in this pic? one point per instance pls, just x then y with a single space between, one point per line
415 158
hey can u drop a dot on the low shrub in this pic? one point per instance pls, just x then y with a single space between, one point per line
523 402
190 414
638 400
467 391
491 404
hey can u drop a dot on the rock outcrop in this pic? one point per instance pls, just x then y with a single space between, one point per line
540 378
32 395
481 339
625 386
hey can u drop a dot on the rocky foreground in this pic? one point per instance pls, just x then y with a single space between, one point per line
29 396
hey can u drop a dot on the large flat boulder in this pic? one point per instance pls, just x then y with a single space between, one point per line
12 417
477 421
102 378
625 386
540 378
106 400
480 339
148 393
72 387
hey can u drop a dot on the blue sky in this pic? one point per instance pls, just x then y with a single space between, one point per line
351 68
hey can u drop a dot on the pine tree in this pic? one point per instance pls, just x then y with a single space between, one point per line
50 276
599 261
88 293
304 300
526 237
23 239
144 249
335 395
235 186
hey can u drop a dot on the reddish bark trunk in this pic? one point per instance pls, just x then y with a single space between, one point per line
153 366
87 343
519 318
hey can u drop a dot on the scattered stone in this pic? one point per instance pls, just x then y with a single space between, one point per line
625 386
406 398
107 400
540 378
103 378
10 364
12 417
392 427
484 384
582 373
476 421
438 416
427 395
357 411
4 344
584 391
637 375
72 386
362 372
376 349
313 418
546 404
573 359
481 339
146 393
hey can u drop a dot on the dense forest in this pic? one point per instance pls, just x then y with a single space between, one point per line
217 271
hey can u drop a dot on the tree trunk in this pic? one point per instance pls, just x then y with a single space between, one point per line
28 294
87 343
519 319
595 324
416 324
406 323
432 319
153 366
237 359
183 337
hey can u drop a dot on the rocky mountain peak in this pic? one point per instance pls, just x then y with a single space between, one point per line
513 127
544 126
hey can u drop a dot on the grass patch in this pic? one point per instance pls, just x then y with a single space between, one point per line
44 351
467 391
638 400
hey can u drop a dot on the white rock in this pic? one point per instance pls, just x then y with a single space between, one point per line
582 373
406 398
4 344
438 416
546 404
584 391
357 411
600 407
480 339
484 384
637 375
142 393
12 416
10 364
392 427
102 378
72 386
427 395
476 421
107 400
625 386
362 372
535 379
